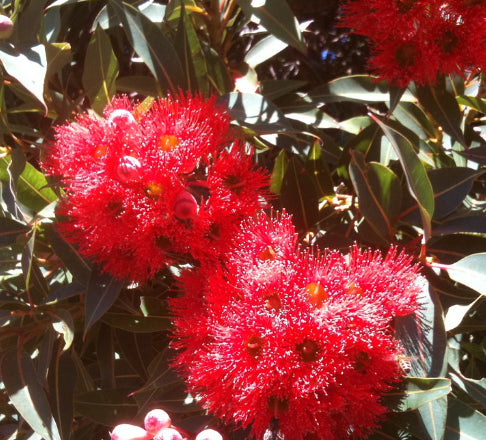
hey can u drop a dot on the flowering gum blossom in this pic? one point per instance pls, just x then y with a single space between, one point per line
168 434
155 420
209 434
185 206
122 119
126 431
128 169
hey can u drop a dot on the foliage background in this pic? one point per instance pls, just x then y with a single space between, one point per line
353 159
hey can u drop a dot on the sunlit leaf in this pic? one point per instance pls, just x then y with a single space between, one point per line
470 272
10 230
434 416
137 324
464 422
100 70
420 391
63 324
27 395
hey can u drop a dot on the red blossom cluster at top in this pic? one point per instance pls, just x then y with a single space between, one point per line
279 337
148 184
417 40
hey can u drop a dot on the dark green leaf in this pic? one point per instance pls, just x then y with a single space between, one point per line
134 347
151 44
27 395
10 230
420 391
100 71
379 193
137 324
418 182
277 18
319 171
444 108
274 89
102 292
63 292
28 67
413 117
478 104
58 55
62 380
63 323
434 416
469 224
68 254
107 407
105 356
279 171
35 284
470 272
477 154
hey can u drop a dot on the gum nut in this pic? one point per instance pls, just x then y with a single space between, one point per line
185 206
209 434
129 432
168 434
122 118
6 27
155 420
128 169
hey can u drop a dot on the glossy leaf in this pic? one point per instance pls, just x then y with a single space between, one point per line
434 416
63 324
478 104
476 154
277 18
379 193
58 55
319 171
417 180
32 190
466 224
28 67
137 324
151 45
107 407
100 71
470 272
102 292
35 284
9 231
464 422
420 391
279 171
444 108
27 395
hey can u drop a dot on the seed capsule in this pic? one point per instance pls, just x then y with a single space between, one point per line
185 206
155 420
129 432
122 119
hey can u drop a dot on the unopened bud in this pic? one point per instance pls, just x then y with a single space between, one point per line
168 434
185 206
122 119
209 434
155 420
128 169
6 27
129 432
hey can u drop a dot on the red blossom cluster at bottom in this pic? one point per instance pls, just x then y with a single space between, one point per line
158 426
283 338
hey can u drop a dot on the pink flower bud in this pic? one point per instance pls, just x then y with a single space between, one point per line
129 432
185 206
168 434
122 119
6 27
128 169
155 420
209 434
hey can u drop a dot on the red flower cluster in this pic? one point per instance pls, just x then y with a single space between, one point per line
149 183
416 40
281 337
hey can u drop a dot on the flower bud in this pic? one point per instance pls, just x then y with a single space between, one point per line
209 434
185 206
168 434
122 119
128 169
6 27
129 432
155 420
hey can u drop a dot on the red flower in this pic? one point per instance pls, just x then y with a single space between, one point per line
280 335
148 185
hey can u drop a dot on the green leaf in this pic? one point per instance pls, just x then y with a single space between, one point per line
278 173
62 381
434 416
10 230
102 292
100 71
28 67
464 422
68 254
355 88
274 88
418 182
145 85
475 389
137 323
58 55
470 272
414 118
444 108
467 224
136 349
255 111
477 154
478 104
379 193
317 168
27 395
35 284
32 188
277 18
420 391
150 43
108 406
63 323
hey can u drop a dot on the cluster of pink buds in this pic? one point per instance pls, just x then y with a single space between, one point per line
158 426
